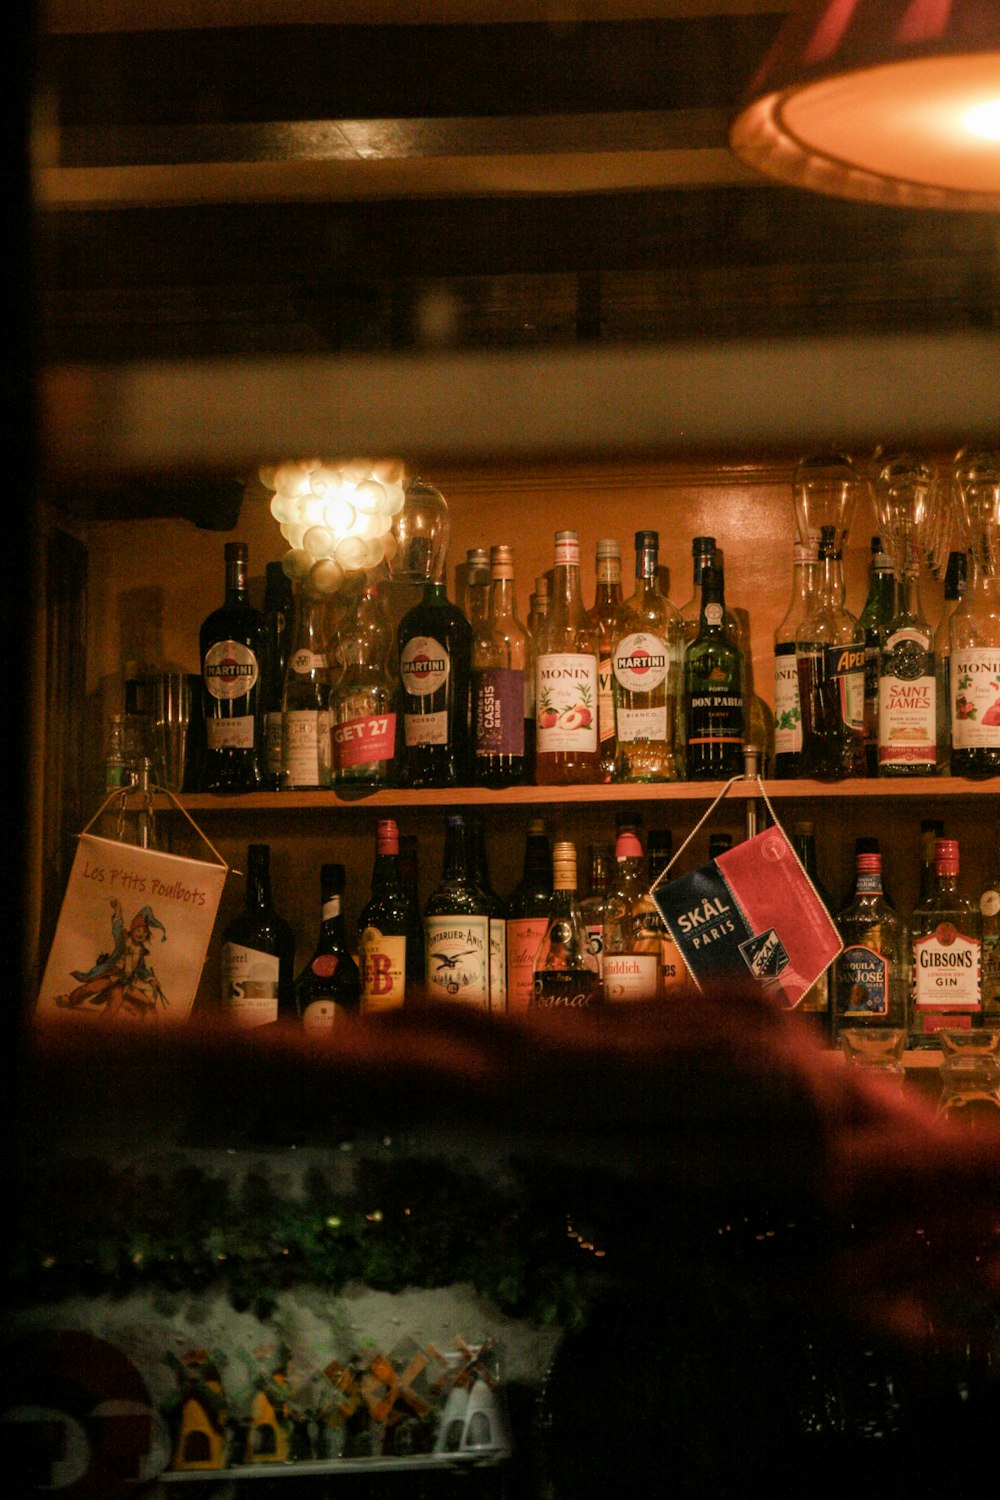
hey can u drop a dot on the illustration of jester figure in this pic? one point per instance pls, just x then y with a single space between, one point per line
122 979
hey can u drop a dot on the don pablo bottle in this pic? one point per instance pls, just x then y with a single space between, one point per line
647 660
945 932
566 974
870 975
713 691
566 742
258 953
230 673
329 987
830 656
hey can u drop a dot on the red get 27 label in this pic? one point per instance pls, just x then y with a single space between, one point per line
358 742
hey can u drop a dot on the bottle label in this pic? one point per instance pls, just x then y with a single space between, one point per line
605 699
715 719
458 959
640 662
319 1016
524 938
249 985
304 740
991 972
675 974
630 976
907 721
975 698
230 670
272 743
383 970
498 964
424 666
305 661
499 711
566 703
362 742
862 983
425 729
713 614
636 724
230 734
845 671
595 942
787 710
946 970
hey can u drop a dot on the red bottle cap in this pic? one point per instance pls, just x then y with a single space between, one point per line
869 864
627 846
946 856
387 836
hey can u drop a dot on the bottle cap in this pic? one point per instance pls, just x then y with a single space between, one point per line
865 845
387 836
536 828
542 585
869 864
627 846
702 545
608 547
477 557
647 539
236 551
564 865
804 827
946 856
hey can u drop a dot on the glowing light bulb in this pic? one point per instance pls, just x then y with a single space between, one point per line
318 541
296 564
984 120
326 576
292 479
338 514
369 496
351 553
282 509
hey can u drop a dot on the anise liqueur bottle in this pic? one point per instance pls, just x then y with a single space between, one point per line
500 683
879 608
363 698
946 947
479 870
435 663
567 750
787 711
907 687
229 643
258 954
528 907
305 707
607 598
329 987
870 979
974 675
275 637
566 976
830 655
713 691
457 927
387 928
647 662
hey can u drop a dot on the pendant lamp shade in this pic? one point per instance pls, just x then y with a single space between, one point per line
886 101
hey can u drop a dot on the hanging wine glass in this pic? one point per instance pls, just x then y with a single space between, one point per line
421 531
825 488
977 500
908 499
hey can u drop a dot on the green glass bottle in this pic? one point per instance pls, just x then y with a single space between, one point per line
713 691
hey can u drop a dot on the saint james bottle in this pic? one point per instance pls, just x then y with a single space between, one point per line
329 987
500 705
362 707
566 669
274 644
305 706
457 927
713 691
258 953
527 916
907 717
830 655
390 943
647 661
230 672
945 931
787 710
435 661
566 972
607 598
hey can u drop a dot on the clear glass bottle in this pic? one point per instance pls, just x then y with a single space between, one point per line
787 711
363 698
713 691
907 713
229 643
306 756
435 664
566 973
479 869
814 1006
390 939
329 987
647 661
599 863
974 673
946 948
870 978
879 608
607 599
988 901
278 614
257 959
457 927
631 968
476 592
500 682
567 750
954 588
538 604
528 910
830 656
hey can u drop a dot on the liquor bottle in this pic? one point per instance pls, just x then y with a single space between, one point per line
830 656
713 691
457 927
567 751
479 870
718 843
867 844
814 1006
500 683
907 716
988 901
974 674
647 660
879 608
305 707
674 976
870 980
607 599
946 946
592 905
329 987
229 641
537 610
258 953
528 908
931 829
274 644
566 974
538 604
787 711
954 588
416 969
476 592
363 699
388 929
702 556
435 661
631 968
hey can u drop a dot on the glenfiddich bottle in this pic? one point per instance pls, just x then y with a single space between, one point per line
389 935
787 711
457 927
607 598
258 954
305 706
879 608
275 638
631 969
362 704
566 976
830 654
528 907
567 751
500 683
329 987
230 673
647 661
870 978
713 691
946 945
435 662
907 715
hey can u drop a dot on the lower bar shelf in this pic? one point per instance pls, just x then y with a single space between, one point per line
418 1462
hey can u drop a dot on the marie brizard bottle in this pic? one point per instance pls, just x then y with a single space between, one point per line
329 987
363 698
787 711
954 588
830 655
602 614
631 969
647 661
567 751
946 955
974 675
713 691
230 673
501 709
279 609
528 907
305 707
388 930
258 954
566 973
435 663
457 927
870 979
599 862
879 608
907 714
479 870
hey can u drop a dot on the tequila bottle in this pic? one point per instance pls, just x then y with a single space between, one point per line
567 749
647 646
830 655
946 945
907 718
566 973
607 599
870 974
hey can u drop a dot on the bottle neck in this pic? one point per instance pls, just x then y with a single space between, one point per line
332 936
501 597
803 581
258 896
435 593
537 861
830 588
805 848
646 566
456 853
908 596
236 581
387 876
